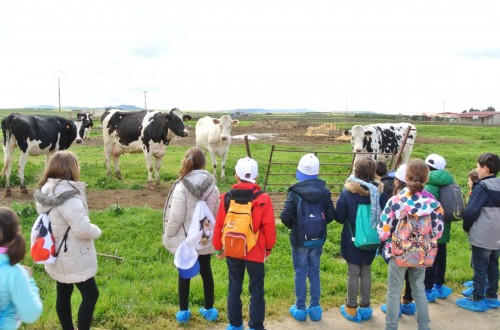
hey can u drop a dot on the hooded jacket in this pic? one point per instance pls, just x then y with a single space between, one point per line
347 208
437 179
416 205
482 214
313 191
263 221
67 203
181 202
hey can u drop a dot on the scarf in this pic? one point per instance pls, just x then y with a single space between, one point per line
374 198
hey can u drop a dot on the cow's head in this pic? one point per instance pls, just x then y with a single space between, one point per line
175 122
84 124
361 139
225 124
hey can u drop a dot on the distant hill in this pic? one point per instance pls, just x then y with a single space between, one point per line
121 106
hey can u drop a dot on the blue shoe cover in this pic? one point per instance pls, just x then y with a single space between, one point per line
409 308
315 313
475 306
431 295
383 308
492 303
356 318
233 327
467 292
298 314
365 313
468 284
209 314
183 316
443 291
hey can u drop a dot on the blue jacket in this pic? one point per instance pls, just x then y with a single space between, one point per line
313 191
482 214
19 298
347 207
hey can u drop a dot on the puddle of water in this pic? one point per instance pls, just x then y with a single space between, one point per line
255 136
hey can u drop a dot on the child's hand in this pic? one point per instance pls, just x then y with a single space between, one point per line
221 255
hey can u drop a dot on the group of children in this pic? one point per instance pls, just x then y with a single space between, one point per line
409 194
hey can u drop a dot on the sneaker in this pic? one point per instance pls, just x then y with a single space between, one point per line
383 308
492 303
468 283
409 308
443 291
472 305
209 314
315 313
233 327
431 295
467 292
343 311
183 316
298 314
365 313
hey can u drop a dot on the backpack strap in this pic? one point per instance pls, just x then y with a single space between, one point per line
240 196
65 239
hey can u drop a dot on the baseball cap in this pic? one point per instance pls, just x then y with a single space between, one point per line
247 169
308 168
436 161
186 260
401 173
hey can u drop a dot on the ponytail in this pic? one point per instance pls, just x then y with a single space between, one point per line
193 160
17 249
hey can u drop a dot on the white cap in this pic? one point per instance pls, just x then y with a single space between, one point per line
436 161
308 168
247 169
401 173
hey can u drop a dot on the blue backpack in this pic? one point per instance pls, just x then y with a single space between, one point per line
312 224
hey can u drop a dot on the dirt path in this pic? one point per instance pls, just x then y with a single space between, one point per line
445 315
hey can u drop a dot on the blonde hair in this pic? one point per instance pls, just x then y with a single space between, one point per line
194 159
62 165
417 175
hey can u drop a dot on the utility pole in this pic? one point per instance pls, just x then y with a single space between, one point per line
145 96
59 87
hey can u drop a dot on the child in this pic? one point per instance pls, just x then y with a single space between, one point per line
61 193
481 223
426 212
435 275
471 181
306 261
194 184
19 297
246 172
384 176
358 189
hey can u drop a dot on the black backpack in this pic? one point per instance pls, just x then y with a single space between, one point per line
452 201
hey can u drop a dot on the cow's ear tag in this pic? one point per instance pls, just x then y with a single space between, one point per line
68 125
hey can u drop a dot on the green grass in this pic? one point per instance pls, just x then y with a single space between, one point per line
140 292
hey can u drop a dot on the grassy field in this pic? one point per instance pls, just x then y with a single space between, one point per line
140 291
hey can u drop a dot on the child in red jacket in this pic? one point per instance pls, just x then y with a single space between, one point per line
246 172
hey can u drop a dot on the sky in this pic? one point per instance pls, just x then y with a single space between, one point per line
387 56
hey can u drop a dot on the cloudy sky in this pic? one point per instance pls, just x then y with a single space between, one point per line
391 56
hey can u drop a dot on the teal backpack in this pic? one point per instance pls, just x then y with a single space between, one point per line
366 236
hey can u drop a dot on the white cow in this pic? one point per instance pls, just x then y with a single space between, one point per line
214 135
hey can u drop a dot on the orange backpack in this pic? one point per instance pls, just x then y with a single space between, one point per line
238 234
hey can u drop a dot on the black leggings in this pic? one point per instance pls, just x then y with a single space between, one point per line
90 294
208 285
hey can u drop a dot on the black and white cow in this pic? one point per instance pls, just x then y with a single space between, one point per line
35 135
148 132
87 124
380 139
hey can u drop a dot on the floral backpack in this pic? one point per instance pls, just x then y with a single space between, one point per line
412 241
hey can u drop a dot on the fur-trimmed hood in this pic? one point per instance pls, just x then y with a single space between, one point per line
356 188
199 183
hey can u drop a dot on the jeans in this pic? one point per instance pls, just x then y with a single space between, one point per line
359 279
485 263
407 295
394 287
208 285
236 271
306 264
435 274
90 294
